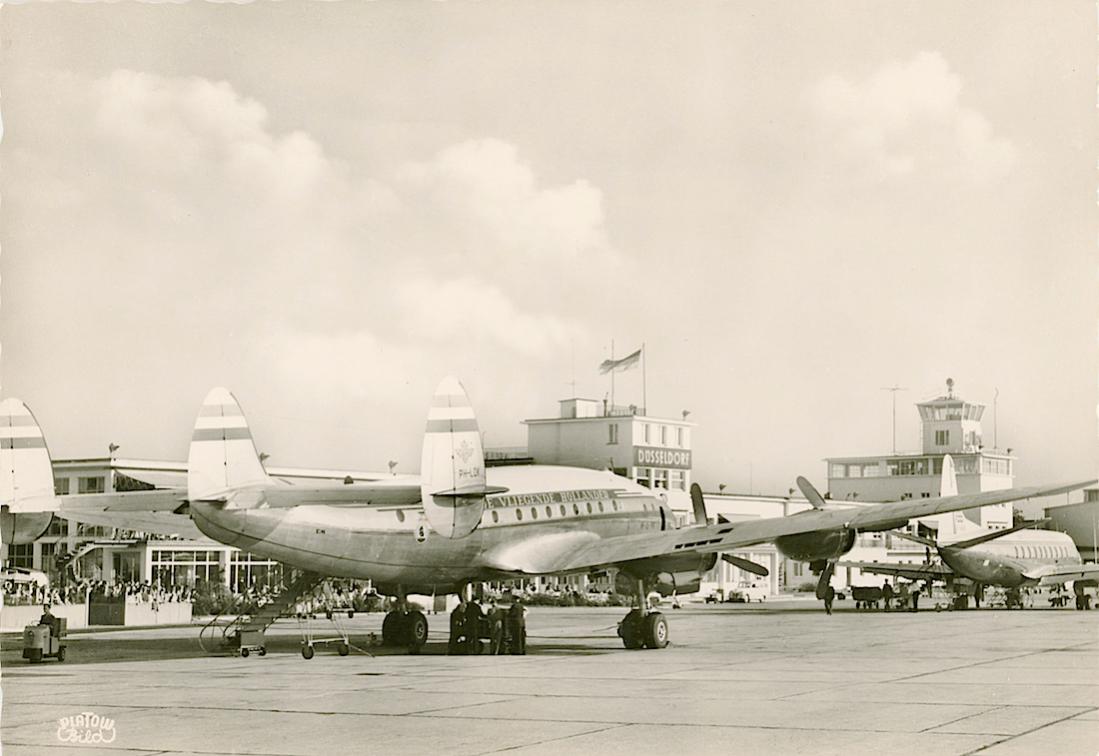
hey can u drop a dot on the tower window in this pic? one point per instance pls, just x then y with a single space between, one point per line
942 437
612 430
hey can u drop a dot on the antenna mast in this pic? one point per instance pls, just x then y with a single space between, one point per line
894 390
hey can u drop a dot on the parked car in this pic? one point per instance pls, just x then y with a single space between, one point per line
746 594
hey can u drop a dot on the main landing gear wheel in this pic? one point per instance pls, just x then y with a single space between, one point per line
655 631
307 652
405 630
344 649
415 631
393 627
630 629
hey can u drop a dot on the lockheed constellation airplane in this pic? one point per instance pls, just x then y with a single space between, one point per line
458 524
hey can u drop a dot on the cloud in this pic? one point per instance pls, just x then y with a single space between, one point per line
332 274
495 196
466 310
907 117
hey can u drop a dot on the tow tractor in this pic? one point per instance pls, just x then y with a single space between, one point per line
45 641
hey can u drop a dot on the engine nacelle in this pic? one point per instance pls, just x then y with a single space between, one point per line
23 527
679 574
822 544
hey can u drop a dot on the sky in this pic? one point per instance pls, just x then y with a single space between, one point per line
328 207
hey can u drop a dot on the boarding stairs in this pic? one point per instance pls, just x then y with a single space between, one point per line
244 632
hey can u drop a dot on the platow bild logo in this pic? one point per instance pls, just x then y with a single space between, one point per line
86 727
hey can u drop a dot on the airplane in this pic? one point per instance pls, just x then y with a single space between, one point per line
457 525
1012 558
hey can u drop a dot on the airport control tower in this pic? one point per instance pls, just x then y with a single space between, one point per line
949 425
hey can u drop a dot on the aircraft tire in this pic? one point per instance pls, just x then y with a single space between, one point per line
343 649
630 629
655 631
393 629
416 629
307 652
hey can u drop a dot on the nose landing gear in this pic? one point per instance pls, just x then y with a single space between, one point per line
642 627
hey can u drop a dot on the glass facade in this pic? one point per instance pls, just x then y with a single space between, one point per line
184 567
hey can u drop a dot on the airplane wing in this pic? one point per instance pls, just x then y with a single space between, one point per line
574 552
160 512
1056 574
910 571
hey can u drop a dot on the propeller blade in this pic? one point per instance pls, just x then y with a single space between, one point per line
825 579
746 564
810 493
699 505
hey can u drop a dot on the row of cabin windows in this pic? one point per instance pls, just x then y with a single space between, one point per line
562 508
549 511
1041 552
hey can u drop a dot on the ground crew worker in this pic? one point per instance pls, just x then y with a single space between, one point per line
517 627
457 626
48 619
887 595
473 621
829 597
495 628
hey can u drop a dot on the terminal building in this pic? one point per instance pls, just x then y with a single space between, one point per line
655 452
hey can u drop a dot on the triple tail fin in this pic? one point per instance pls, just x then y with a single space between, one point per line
222 456
26 475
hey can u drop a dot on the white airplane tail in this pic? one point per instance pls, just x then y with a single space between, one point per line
222 456
452 467
26 475
956 523
948 484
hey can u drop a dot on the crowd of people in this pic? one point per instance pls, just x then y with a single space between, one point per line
81 591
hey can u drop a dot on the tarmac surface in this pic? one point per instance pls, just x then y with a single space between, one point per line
778 678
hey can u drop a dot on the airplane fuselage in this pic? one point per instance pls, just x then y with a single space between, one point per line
544 508
1005 560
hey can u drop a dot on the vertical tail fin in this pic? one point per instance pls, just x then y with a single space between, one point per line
222 455
452 467
26 475
948 484
956 523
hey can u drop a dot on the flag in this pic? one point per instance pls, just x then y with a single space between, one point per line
627 362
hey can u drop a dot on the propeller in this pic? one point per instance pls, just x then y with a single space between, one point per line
810 493
701 518
699 505
825 579
746 564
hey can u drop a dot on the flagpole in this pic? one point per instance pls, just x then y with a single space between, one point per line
644 390
612 377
